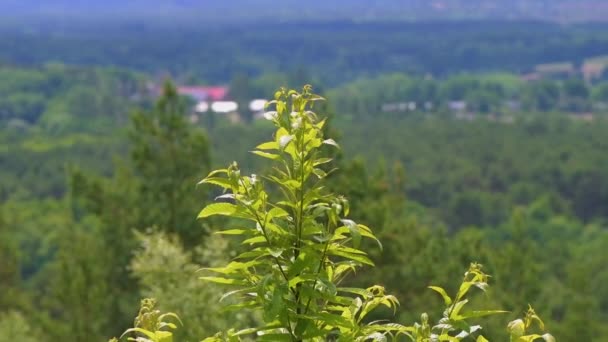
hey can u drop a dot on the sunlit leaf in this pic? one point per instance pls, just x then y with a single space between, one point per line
225 209
267 155
447 300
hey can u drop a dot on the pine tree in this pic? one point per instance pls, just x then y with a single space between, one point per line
168 155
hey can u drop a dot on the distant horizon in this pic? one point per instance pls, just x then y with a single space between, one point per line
290 10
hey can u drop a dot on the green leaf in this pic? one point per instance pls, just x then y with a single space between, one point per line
276 305
447 300
376 337
164 336
331 142
150 334
304 260
354 231
457 307
232 267
481 313
302 327
254 240
351 256
223 182
277 212
275 252
172 315
548 337
254 253
321 161
220 280
366 232
446 337
464 288
225 209
215 172
235 292
245 331
233 232
319 173
274 337
270 145
284 140
295 281
361 292
516 328
329 319
169 325
267 155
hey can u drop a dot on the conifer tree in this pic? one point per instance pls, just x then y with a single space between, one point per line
168 155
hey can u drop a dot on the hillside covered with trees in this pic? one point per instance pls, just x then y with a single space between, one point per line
448 152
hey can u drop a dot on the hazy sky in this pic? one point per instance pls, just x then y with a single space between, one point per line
312 9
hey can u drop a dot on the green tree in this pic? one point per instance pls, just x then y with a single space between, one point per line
600 92
542 96
153 189
80 293
9 269
575 95
241 91
168 273
167 155
15 327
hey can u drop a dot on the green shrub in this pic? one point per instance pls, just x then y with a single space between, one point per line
302 245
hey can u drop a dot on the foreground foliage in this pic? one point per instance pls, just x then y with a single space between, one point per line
302 246
530 193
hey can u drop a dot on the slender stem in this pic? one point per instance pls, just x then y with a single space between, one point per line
293 336
263 227
301 192
321 262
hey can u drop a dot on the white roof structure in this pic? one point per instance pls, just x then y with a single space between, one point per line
257 105
202 107
224 106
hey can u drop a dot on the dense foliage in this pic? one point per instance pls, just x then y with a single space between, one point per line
302 247
334 52
98 201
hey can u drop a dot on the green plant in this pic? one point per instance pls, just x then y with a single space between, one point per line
453 326
518 327
302 243
302 246
149 324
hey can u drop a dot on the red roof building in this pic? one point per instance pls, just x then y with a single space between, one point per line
217 93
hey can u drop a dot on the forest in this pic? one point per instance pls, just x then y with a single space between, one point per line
447 152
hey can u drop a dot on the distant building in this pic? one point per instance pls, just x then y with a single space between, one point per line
390 107
533 76
555 70
208 94
399 107
593 70
457 106
202 107
512 105
224 107
257 105
214 98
